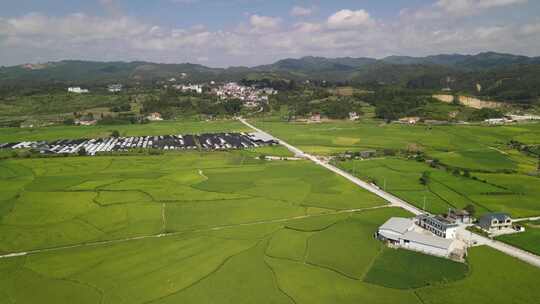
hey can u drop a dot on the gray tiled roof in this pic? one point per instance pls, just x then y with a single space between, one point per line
397 224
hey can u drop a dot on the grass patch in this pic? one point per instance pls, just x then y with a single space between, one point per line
528 240
404 269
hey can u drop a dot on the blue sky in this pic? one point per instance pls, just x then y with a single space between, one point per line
251 32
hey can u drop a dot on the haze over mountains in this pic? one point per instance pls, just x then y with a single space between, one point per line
502 76
305 67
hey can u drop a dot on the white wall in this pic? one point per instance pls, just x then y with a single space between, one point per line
426 249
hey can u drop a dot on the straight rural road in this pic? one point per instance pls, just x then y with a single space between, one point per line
395 201
535 218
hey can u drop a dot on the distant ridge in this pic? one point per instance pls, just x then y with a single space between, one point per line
491 74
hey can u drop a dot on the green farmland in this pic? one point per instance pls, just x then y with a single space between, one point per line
501 178
226 227
403 269
156 128
466 146
217 227
516 194
528 240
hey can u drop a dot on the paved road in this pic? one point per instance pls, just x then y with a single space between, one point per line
502 247
536 218
395 201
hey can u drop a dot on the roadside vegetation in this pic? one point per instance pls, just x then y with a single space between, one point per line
528 240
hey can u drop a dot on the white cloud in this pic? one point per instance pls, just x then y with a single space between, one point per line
467 7
349 19
260 39
264 23
300 11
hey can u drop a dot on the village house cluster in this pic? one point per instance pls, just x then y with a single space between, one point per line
251 96
233 90
216 141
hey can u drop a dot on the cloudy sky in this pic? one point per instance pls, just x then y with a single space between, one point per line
252 32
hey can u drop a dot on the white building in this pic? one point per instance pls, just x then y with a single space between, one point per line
438 225
154 117
402 232
77 90
115 88
497 121
192 88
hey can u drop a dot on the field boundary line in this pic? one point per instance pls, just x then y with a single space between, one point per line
398 202
177 233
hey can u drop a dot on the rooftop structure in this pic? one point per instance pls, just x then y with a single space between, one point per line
459 216
154 117
77 90
409 120
233 90
115 88
493 222
197 88
215 141
438 225
402 232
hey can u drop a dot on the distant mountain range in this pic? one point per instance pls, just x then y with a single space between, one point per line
494 72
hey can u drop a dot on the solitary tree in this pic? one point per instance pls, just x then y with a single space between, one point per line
115 133
471 209
424 179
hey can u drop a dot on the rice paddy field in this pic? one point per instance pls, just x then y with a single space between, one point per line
528 240
226 227
218 227
516 194
502 179
454 144
98 131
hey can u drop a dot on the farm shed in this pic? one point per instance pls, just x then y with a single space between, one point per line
403 233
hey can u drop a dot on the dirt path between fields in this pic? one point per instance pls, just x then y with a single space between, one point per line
171 234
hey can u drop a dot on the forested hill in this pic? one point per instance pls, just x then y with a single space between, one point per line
497 76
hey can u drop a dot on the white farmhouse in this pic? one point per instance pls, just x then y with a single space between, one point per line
438 225
402 232
115 88
77 90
